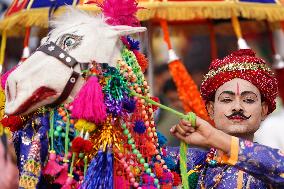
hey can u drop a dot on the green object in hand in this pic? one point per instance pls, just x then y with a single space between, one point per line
191 117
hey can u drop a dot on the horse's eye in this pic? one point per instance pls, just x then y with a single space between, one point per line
68 42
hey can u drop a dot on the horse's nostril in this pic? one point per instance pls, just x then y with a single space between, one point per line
8 93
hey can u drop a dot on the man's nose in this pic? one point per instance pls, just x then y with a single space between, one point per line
237 106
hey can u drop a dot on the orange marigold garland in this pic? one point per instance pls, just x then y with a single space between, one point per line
186 87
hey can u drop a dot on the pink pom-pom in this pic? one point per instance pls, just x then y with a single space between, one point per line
52 167
89 102
120 12
63 175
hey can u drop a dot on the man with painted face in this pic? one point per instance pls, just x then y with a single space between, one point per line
239 92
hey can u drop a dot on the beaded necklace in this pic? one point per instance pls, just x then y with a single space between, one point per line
212 162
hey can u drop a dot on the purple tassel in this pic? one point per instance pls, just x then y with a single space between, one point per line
100 172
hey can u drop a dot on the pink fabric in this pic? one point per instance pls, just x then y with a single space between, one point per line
5 76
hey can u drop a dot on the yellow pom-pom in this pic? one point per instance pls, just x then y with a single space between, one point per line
85 125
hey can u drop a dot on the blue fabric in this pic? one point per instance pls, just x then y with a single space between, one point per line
23 142
49 3
258 1
263 167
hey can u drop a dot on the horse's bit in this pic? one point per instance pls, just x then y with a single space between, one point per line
51 49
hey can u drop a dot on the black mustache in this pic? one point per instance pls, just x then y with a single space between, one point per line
238 113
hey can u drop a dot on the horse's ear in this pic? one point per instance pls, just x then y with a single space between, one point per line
122 30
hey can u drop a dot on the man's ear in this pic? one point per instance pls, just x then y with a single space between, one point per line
210 109
264 111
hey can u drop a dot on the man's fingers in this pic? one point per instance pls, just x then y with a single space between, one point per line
186 123
181 129
180 136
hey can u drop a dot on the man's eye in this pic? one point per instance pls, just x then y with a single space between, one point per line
249 101
226 100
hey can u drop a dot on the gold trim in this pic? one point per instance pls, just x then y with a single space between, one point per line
238 67
169 10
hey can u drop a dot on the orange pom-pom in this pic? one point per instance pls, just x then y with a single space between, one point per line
142 60
150 149
158 170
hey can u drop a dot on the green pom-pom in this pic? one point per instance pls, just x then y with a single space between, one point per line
193 180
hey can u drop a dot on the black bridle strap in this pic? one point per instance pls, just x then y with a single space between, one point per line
53 50
67 89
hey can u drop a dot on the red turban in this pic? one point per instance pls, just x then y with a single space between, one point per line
244 65
280 76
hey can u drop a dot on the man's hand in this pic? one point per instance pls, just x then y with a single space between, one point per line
202 135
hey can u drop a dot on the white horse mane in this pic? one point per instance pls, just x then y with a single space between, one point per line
74 17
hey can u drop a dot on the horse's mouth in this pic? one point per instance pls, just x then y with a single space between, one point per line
40 94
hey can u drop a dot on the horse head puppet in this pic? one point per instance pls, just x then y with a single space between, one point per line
77 40
99 68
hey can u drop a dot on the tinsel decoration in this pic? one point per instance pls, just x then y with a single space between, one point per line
115 90
186 87
108 135
100 171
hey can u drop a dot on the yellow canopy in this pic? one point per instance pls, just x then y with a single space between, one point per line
178 10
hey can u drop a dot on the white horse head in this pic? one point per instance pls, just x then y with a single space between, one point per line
41 78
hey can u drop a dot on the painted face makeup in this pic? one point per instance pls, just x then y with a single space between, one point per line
237 108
